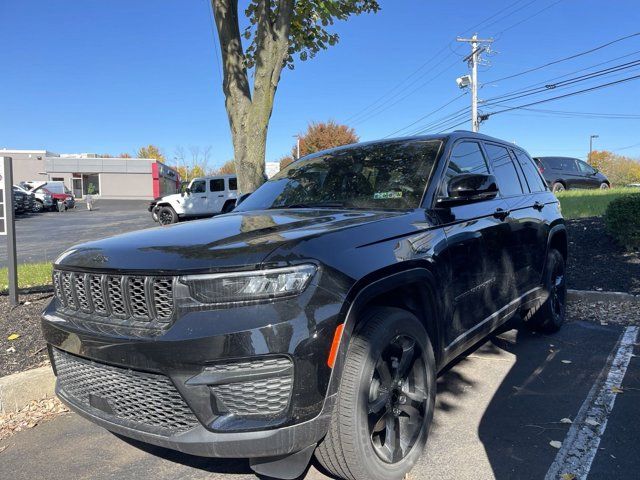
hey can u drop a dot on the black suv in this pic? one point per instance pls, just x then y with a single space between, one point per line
562 173
316 316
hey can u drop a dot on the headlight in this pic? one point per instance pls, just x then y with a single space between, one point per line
249 286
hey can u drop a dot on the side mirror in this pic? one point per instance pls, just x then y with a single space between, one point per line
242 198
595 171
469 188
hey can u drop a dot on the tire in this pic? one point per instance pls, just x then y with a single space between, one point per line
38 207
167 216
604 186
558 187
371 406
549 315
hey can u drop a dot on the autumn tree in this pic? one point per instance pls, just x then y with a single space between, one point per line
620 170
124 155
284 161
229 167
323 135
278 31
151 151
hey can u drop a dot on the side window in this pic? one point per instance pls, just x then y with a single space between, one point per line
531 172
233 183
198 186
566 164
216 185
504 170
466 157
585 168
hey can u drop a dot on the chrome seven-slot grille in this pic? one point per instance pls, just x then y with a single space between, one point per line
140 298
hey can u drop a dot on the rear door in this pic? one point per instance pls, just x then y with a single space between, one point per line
476 238
216 195
568 170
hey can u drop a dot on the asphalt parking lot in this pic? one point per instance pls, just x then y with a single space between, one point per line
42 237
498 409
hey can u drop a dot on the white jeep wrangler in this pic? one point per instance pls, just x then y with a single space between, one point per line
204 197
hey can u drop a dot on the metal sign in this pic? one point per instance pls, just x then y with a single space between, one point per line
7 226
3 199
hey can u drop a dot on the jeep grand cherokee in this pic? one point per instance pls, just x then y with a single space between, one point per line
316 316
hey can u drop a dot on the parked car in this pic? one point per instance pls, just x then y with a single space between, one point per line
29 199
57 191
562 173
203 197
43 198
20 201
316 315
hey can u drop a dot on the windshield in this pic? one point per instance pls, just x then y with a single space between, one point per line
388 176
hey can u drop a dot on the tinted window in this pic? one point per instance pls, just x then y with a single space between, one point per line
198 186
233 184
585 168
504 170
216 185
531 172
466 157
378 176
559 163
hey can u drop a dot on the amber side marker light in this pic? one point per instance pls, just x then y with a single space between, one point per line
333 353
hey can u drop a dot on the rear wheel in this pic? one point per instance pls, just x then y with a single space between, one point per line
558 187
167 216
228 206
385 400
549 315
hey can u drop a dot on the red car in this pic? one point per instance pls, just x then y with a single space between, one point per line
66 197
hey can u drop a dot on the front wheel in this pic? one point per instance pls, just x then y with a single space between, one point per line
549 314
38 206
385 401
167 216
604 186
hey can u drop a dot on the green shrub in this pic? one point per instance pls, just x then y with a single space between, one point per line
622 219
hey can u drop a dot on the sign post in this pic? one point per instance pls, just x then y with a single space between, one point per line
7 226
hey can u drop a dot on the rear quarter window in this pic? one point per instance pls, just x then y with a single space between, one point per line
531 173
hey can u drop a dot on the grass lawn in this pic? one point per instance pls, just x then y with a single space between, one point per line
29 275
589 203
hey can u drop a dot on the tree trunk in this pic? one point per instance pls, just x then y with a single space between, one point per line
249 113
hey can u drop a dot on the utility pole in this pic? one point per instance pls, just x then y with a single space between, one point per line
591 146
477 47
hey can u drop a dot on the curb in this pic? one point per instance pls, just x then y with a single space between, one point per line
594 296
18 389
27 291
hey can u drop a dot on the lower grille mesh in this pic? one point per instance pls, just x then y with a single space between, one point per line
146 400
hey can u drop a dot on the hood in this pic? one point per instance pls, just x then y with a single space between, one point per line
242 239
168 198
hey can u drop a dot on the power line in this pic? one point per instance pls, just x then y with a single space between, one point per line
571 57
427 115
626 148
499 34
213 38
597 87
564 83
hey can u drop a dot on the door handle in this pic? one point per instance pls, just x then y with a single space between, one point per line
204 197
538 206
501 213
220 196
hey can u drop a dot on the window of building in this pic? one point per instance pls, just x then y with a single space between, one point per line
504 170
216 185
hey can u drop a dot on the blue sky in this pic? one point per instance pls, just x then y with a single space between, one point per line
96 76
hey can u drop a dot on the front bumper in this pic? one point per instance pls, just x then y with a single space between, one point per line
198 341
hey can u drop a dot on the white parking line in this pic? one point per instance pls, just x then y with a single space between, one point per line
583 439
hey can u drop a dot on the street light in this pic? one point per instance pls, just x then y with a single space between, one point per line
591 146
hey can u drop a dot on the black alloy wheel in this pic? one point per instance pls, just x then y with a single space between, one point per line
397 399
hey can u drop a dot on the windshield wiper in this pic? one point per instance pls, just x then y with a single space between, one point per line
312 205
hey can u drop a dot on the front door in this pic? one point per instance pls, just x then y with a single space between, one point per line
196 200
77 187
476 236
